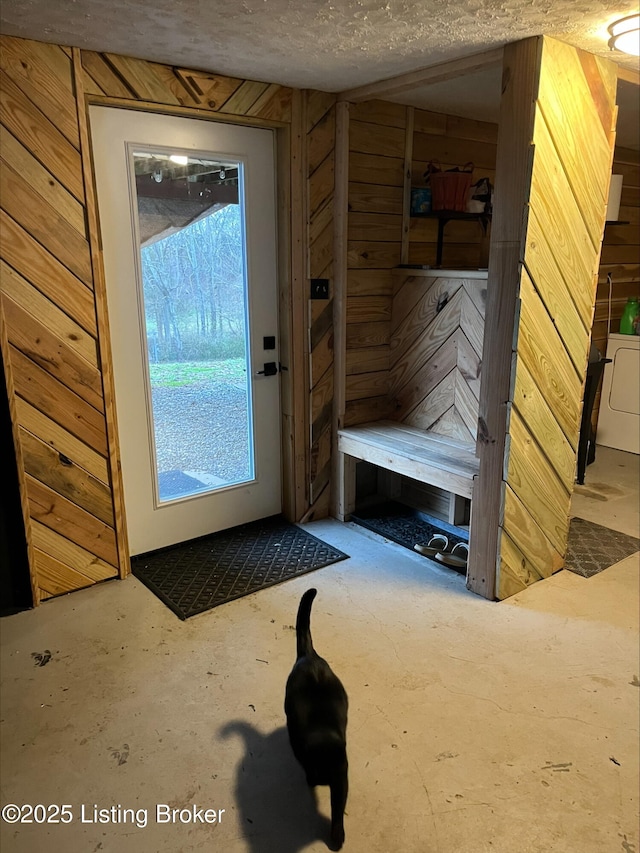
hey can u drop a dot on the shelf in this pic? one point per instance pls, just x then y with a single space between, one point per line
450 214
444 216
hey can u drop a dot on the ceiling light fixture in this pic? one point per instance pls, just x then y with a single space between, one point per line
180 159
625 35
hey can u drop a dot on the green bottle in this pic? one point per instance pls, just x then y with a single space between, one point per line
629 318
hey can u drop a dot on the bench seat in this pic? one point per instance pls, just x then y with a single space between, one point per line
424 456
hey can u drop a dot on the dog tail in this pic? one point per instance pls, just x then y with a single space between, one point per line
303 629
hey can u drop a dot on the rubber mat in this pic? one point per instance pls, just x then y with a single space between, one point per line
592 548
406 526
201 574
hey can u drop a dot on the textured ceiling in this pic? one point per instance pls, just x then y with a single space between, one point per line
331 45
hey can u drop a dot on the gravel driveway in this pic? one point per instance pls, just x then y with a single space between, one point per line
202 427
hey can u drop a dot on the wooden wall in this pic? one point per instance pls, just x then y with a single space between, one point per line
620 255
451 141
374 242
437 333
53 358
381 136
554 165
320 171
56 344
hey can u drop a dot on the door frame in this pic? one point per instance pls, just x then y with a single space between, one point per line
291 251
153 521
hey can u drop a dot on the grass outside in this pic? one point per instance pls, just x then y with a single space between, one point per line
177 374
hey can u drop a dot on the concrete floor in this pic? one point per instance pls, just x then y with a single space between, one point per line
474 726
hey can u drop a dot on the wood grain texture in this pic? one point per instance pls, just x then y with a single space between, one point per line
47 274
69 519
56 578
41 181
558 251
70 555
43 72
534 481
550 284
61 440
102 75
567 237
551 366
529 537
46 349
436 348
566 98
58 402
516 572
513 173
40 136
540 420
43 222
17 288
412 453
59 473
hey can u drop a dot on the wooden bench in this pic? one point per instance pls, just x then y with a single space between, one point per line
424 456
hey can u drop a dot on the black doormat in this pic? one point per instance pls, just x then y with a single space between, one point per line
407 526
195 576
592 548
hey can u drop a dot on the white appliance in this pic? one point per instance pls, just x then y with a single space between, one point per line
619 418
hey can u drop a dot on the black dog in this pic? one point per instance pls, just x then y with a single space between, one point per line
316 707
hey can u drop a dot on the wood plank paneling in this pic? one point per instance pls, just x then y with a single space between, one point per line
372 169
43 222
59 473
40 136
540 419
145 80
320 169
536 548
56 578
70 555
53 289
47 274
559 219
48 431
551 366
566 99
48 304
58 402
549 243
69 519
436 345
44 73
534 481
67 330
44 347
41 181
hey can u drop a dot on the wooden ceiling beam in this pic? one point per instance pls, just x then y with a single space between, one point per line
629 75
425 76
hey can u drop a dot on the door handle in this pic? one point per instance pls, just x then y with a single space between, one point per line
270 369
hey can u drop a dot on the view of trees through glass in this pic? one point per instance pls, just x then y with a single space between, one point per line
193 283
194 290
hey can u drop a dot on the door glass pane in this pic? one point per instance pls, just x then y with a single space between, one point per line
194 307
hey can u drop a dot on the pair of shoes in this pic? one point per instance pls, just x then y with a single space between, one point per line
456 561
433 548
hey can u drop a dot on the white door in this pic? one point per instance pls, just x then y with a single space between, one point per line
187 218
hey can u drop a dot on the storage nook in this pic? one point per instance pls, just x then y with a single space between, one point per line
435 354
438 370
